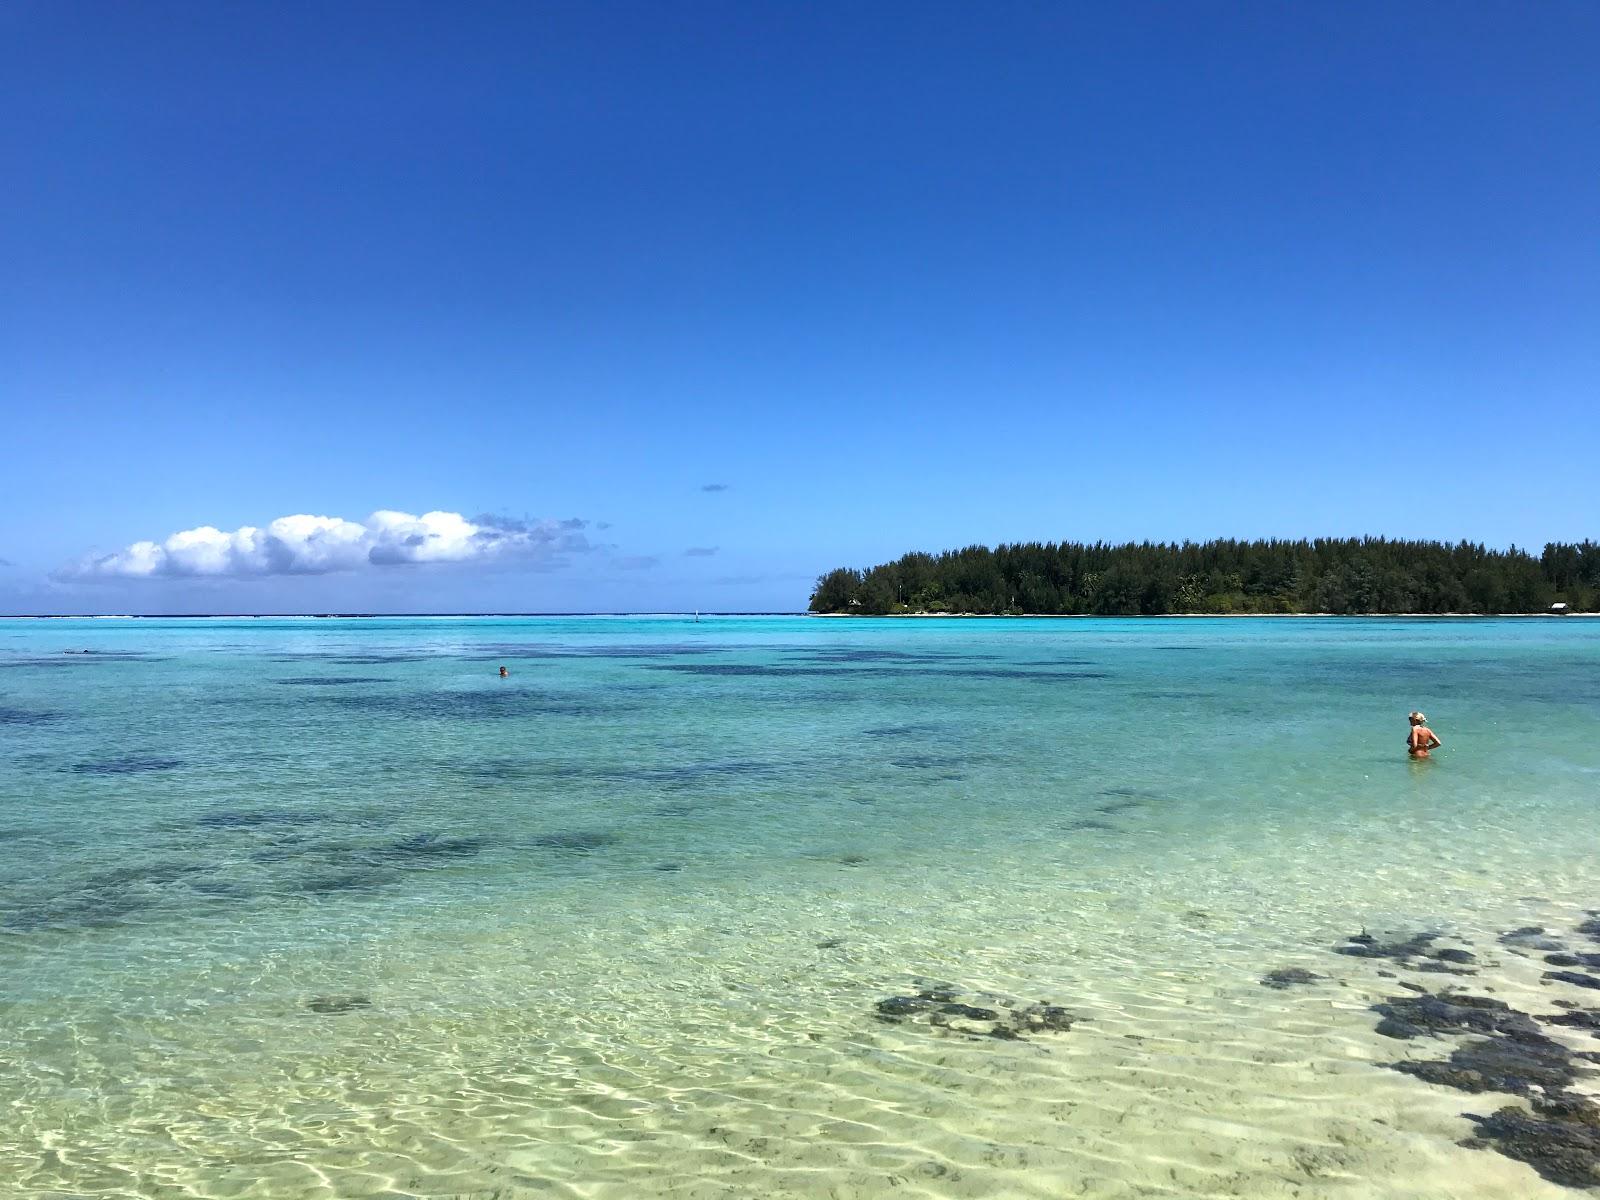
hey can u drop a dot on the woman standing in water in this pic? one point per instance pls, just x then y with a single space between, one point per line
1421 739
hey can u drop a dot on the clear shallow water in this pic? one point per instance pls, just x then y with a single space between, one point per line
316 908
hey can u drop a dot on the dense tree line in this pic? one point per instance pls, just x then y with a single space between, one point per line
1328 575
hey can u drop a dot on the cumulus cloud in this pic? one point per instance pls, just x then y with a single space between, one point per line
700 551
308 545
714 487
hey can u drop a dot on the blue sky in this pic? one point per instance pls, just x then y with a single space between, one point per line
885 277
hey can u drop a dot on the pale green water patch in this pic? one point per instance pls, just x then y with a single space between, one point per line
326 908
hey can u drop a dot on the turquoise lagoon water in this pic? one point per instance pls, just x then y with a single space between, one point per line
325 908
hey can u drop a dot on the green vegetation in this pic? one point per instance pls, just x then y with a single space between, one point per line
1328 575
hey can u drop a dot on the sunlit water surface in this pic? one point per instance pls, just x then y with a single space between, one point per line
317 908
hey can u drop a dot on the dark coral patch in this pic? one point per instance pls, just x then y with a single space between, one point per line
92 908
968 1012
579 841
366 880
1530 937
148 873
27 716
417 848
863 654
1439 968
76 658
1364 945
1116 806
334 1005
923 762
127 764
1576 978
901 731
1560 1138
1450 1012
1501 1064
895 1007
1576 1018
1286 977
1514 1055
765 670
1573 960
233 818
495 704
942 1008
1051 1017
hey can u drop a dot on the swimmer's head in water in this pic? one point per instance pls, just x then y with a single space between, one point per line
1417 718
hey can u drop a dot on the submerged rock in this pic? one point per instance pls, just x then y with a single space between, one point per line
1286 977
1573 960
1581 1018
1117 806
896 1007
1515 1057
940 1007
1364 945
1560 1138
1050 1017
1577 978
580 841
969 1012
1450 1012
127 764
420 846
334 1005
1515 1064
1530 937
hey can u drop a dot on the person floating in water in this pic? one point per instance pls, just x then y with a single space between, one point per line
504 672
1421 739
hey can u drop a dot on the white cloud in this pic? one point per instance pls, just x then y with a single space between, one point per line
308 545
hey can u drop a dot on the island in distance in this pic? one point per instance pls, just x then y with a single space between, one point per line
1342 576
